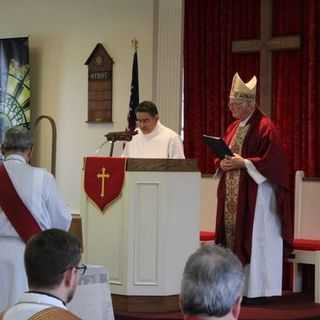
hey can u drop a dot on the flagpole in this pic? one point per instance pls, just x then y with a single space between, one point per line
134 94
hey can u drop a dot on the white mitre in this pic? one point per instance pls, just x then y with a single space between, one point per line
241 91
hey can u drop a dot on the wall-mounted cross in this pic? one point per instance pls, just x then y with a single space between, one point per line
265 46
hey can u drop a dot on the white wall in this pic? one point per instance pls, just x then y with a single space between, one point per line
62 35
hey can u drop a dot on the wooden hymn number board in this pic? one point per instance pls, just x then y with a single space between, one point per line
99 85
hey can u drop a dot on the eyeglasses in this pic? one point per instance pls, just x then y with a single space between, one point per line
234 104
82 268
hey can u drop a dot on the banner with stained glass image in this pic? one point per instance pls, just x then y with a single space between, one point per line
15 93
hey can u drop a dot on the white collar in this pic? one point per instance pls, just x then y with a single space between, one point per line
154 132
244 122
16 157
38 298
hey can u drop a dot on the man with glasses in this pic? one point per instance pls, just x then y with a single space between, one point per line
153 140
52 260
253 217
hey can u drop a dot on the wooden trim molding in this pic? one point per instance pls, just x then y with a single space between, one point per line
122 305
311 179
173 165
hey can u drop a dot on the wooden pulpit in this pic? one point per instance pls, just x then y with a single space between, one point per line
146 235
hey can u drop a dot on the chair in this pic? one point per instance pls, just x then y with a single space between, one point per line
209 185
207 237
306 230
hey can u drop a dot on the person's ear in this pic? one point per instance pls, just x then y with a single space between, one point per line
235 310
28 154
69 277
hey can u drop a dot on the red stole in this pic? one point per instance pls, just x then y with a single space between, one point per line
15 210
263 148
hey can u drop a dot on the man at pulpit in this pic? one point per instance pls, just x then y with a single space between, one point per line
153 140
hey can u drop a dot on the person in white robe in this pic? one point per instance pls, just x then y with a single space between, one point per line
38 190
153 139
52 260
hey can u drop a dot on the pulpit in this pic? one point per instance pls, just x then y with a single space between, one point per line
145 236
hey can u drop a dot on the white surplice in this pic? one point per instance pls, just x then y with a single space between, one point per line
161 143
30 304
264 273
38 191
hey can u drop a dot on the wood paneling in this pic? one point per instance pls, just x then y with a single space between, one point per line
123 304
177 165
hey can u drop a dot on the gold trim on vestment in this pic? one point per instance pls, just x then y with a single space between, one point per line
54 313
232 189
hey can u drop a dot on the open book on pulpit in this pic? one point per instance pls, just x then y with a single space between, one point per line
218 146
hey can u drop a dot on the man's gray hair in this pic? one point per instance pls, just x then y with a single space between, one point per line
17 139
213 281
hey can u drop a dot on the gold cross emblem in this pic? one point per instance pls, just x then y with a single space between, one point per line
103 175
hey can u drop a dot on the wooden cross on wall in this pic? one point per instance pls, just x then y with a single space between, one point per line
265 46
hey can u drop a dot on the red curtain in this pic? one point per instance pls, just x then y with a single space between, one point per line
209 64
296 94
295 89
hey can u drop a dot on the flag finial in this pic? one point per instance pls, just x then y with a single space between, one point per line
134 43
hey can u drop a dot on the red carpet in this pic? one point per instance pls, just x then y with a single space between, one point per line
291 306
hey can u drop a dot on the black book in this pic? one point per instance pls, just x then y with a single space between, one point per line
218 146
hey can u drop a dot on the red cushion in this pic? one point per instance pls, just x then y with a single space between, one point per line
305 244
207 235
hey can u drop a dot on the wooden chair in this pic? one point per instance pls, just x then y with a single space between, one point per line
306 230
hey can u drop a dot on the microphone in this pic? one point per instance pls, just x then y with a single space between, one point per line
101 146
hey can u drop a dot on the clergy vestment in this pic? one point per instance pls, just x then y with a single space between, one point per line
38 191
253 216
161 143
32 303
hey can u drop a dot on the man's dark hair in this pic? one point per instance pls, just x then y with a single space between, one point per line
148 107
48 255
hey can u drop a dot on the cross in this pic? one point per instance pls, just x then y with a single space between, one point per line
102 176
265 46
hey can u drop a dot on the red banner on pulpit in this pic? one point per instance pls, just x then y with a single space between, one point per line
103 179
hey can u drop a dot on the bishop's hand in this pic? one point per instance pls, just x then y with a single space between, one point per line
232 163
